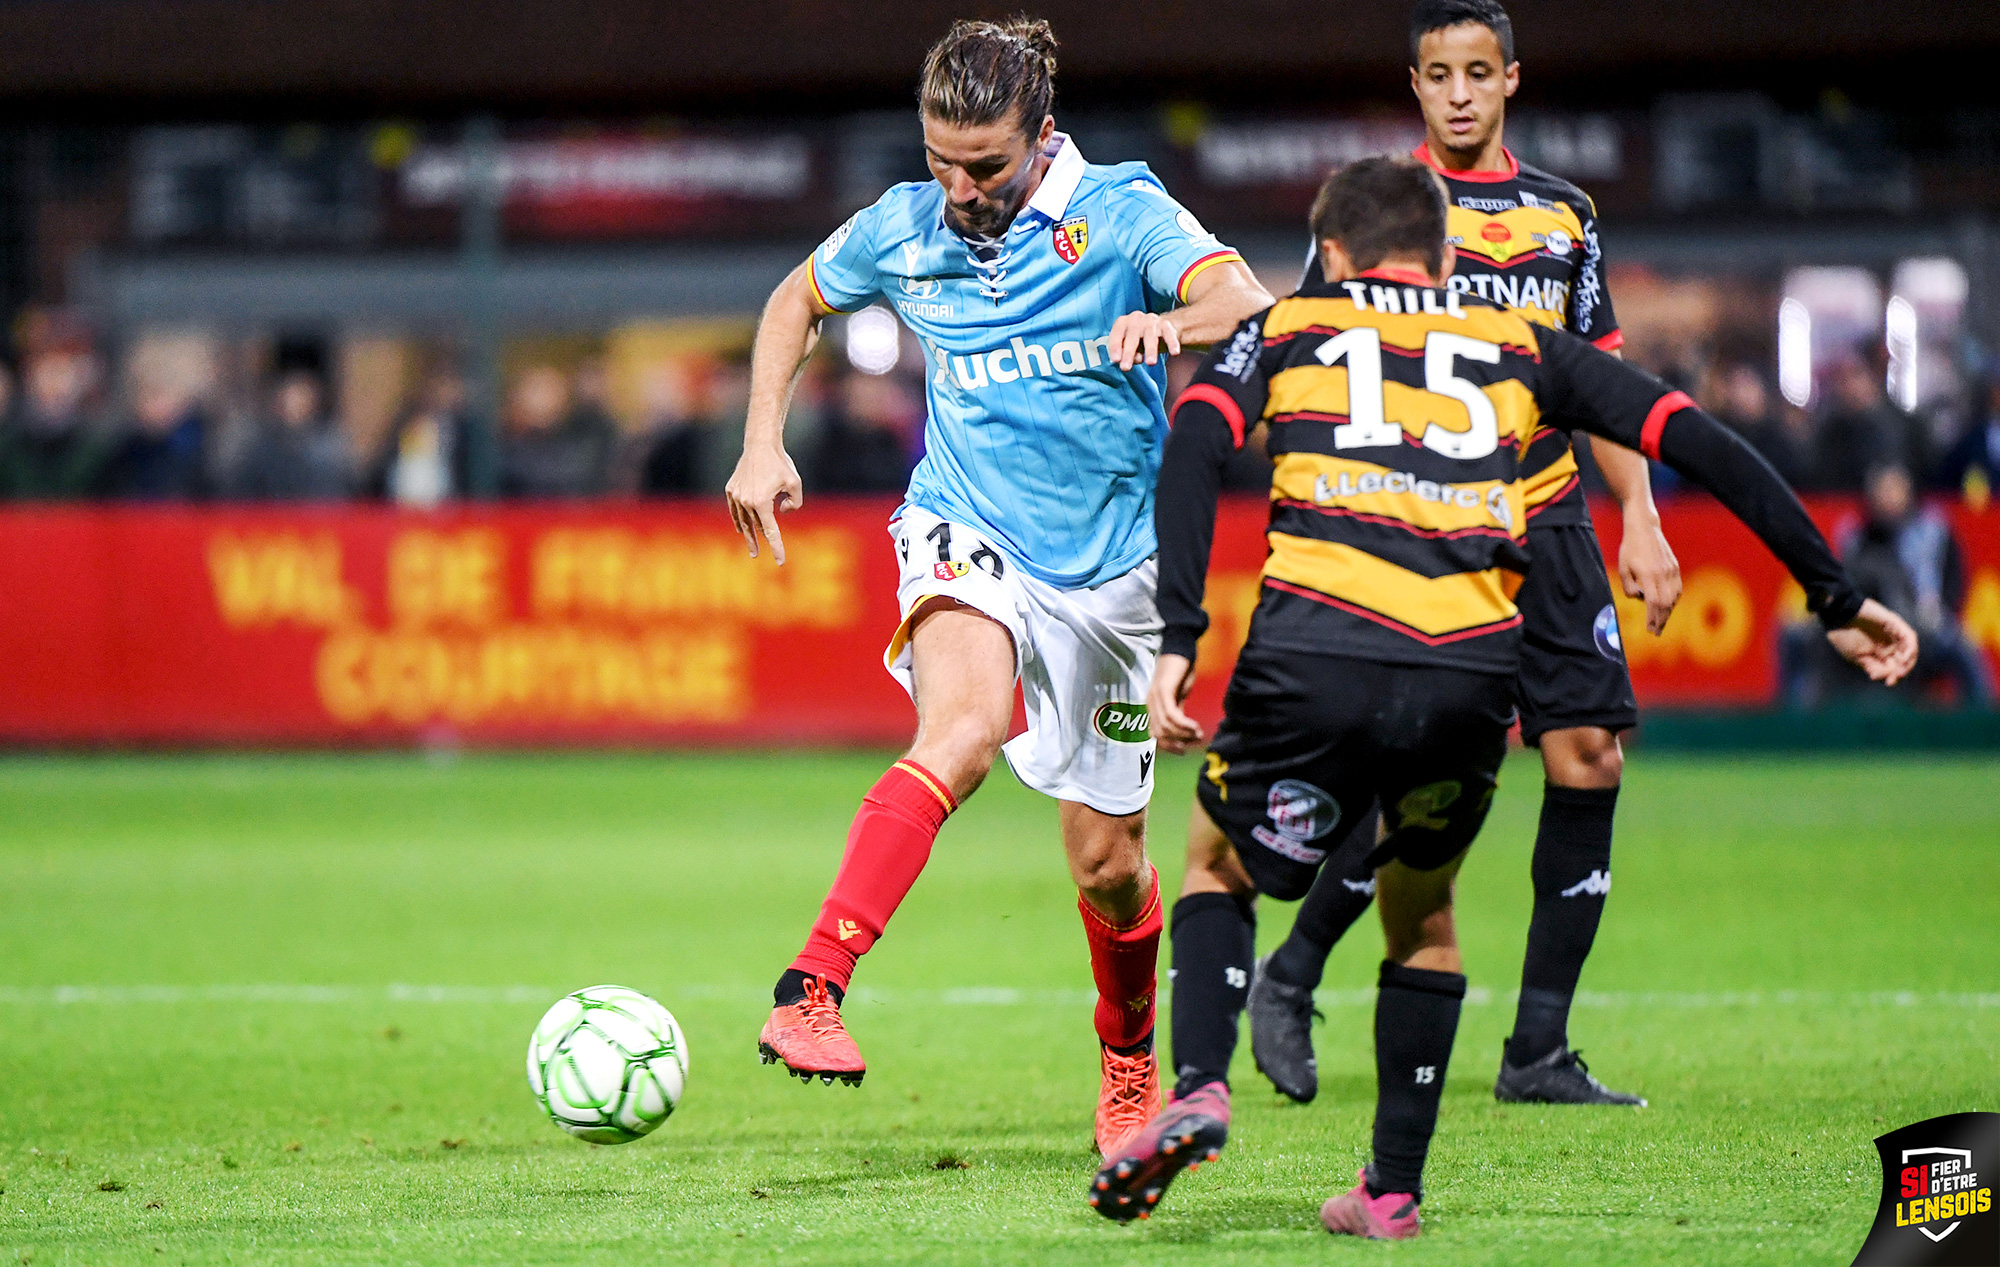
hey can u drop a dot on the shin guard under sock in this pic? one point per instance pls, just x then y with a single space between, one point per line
887 848
1572 876
1416 1019
1125 963
1338 897
1215 946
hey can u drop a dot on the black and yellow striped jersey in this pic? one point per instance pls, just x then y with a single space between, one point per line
1399 416
1528 240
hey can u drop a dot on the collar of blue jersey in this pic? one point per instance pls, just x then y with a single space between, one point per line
1059 182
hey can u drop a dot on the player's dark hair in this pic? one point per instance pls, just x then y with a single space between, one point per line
1382 206
1436 15
989 72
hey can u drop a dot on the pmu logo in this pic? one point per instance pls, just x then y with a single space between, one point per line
1123 723
1937 1194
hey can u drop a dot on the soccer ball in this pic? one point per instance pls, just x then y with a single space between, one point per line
607 1064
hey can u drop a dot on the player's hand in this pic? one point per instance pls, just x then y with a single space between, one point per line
765 483
1879 641
1174 730
1138 334
1648 569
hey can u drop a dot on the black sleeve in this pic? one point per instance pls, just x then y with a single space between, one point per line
1590 312
1624 404
1225 400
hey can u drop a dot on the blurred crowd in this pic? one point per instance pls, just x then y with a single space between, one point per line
71 431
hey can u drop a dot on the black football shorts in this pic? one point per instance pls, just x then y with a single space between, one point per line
1308 742
1572 659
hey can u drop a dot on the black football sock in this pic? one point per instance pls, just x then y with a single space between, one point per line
1215 945
791 988
1572 875
1416 1019
1341 894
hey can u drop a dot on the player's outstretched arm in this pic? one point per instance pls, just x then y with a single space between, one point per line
1218 301
1878 641
766 481
1628 406
1225 400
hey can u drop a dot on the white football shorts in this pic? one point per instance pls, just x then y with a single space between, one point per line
1084 659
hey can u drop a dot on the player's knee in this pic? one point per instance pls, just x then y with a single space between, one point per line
961 750
1583 757
1109 873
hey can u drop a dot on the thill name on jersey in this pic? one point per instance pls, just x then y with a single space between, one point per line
1398 415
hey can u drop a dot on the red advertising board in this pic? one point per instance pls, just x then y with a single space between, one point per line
620 624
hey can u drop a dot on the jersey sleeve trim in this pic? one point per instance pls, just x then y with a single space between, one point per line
1210 394
1656 421
1201 266
1609 342
819 296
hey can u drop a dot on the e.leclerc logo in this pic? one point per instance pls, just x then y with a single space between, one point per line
1123 723
1937 1195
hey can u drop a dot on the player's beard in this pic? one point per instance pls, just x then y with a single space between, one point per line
991 218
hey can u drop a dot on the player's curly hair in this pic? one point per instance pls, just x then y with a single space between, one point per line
988 72
1382 206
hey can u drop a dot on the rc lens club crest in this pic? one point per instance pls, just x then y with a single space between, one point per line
1072 237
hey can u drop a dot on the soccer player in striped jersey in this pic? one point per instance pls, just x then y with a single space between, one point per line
1381 659
1527 240
1045 291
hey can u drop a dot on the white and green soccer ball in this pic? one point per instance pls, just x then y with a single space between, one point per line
607 1064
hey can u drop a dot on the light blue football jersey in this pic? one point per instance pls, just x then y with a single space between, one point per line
1035 437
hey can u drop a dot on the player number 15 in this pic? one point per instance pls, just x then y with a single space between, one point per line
1368 428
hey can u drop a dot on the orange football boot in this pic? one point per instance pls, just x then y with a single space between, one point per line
808 1038
1128 1095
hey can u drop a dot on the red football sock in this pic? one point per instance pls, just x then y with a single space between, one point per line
1125 962
887 848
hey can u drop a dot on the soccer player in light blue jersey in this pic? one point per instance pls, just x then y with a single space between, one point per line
1046 291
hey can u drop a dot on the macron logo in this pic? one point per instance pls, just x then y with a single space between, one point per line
1597 884
1020 360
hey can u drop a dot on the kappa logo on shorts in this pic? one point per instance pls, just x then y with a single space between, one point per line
1300 814
950 569
1604 632
1123 723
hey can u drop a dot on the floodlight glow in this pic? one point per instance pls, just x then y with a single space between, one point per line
874 340
1795 367
1899 331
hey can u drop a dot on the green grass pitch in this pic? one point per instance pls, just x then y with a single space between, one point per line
274 1010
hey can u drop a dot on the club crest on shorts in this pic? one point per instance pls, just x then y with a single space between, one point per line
1072 238
1300 814
950 569
1604 632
